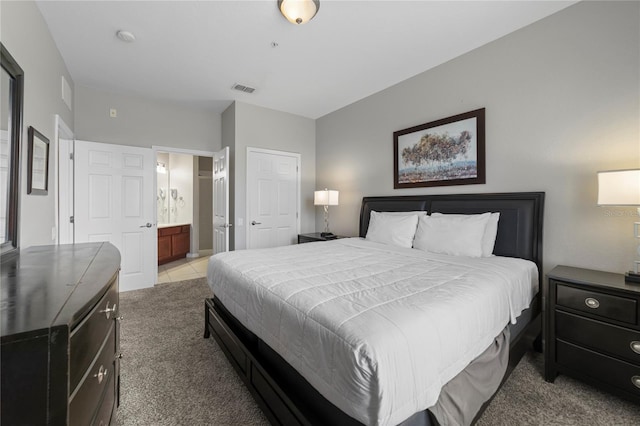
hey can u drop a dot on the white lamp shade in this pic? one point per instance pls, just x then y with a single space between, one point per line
299 11
326 197
619 188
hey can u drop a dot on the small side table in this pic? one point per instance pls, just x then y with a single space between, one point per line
315 236
592 329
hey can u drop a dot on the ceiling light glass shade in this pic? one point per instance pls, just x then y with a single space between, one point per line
126 36
299 11
619 188
326 197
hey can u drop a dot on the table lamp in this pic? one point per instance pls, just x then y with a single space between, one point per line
622 188
326 198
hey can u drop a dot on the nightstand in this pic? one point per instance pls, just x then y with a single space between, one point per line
592 330
315 236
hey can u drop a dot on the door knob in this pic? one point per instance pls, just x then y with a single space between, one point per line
253 222
148 225
227 225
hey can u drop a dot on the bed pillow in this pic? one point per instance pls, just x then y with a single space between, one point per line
456 236
490 232
394 229
412 213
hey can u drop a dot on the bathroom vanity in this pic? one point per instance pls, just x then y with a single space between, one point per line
173 242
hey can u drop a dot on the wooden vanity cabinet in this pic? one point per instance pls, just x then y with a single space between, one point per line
173 243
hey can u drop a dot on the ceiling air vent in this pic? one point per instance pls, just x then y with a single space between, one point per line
243 88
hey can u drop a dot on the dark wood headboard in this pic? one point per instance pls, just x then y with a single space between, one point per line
519 227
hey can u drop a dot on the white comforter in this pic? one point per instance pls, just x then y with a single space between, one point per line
376 329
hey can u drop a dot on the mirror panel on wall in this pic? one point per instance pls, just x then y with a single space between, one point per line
11 99
175 188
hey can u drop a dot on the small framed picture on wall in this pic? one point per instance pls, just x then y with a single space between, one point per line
37 163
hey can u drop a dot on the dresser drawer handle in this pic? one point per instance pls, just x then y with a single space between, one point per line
635 346
636 381
591 303
108 310
101 374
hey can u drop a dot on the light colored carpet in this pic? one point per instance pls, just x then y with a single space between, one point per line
171 375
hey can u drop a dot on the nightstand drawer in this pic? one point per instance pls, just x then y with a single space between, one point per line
614 340
596 303
622 375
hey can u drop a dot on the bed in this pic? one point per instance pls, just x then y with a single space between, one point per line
271 306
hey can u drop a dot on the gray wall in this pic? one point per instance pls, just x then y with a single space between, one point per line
258 127
26 36
144 122
562 102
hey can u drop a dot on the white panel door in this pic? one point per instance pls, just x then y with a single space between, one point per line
114 202
273 198
221 201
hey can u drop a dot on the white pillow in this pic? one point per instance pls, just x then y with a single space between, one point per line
397 230
457 236
414 213
490 232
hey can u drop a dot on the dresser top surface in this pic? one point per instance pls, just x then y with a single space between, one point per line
46 286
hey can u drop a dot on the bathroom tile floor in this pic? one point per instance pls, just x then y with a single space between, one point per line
184 269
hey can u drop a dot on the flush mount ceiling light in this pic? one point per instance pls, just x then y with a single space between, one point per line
126 36
299 11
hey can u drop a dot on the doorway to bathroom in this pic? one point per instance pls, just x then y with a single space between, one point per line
184 212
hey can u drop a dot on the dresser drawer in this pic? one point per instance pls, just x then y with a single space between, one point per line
622 375
85 401
595 303
104 413
617 341
89 335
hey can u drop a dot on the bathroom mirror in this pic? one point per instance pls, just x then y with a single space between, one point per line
11 98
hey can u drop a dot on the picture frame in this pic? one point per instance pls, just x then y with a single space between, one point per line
449 151
37 163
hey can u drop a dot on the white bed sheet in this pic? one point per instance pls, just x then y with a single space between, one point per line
376 329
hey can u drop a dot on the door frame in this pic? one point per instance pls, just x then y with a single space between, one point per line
298 158
63 199
196 153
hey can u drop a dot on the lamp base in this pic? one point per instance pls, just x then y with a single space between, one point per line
327 235
632 278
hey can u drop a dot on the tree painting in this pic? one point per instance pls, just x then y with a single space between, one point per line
439 153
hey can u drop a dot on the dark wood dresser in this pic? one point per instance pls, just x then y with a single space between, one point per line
60 335
592 329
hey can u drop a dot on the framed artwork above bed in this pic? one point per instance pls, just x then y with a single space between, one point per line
449 151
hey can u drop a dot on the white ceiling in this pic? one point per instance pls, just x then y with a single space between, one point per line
194 51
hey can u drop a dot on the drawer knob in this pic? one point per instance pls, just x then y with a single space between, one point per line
108 310
635 346
591 303
636 381
120 318
101 374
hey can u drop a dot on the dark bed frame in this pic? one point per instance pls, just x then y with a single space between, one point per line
288 399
